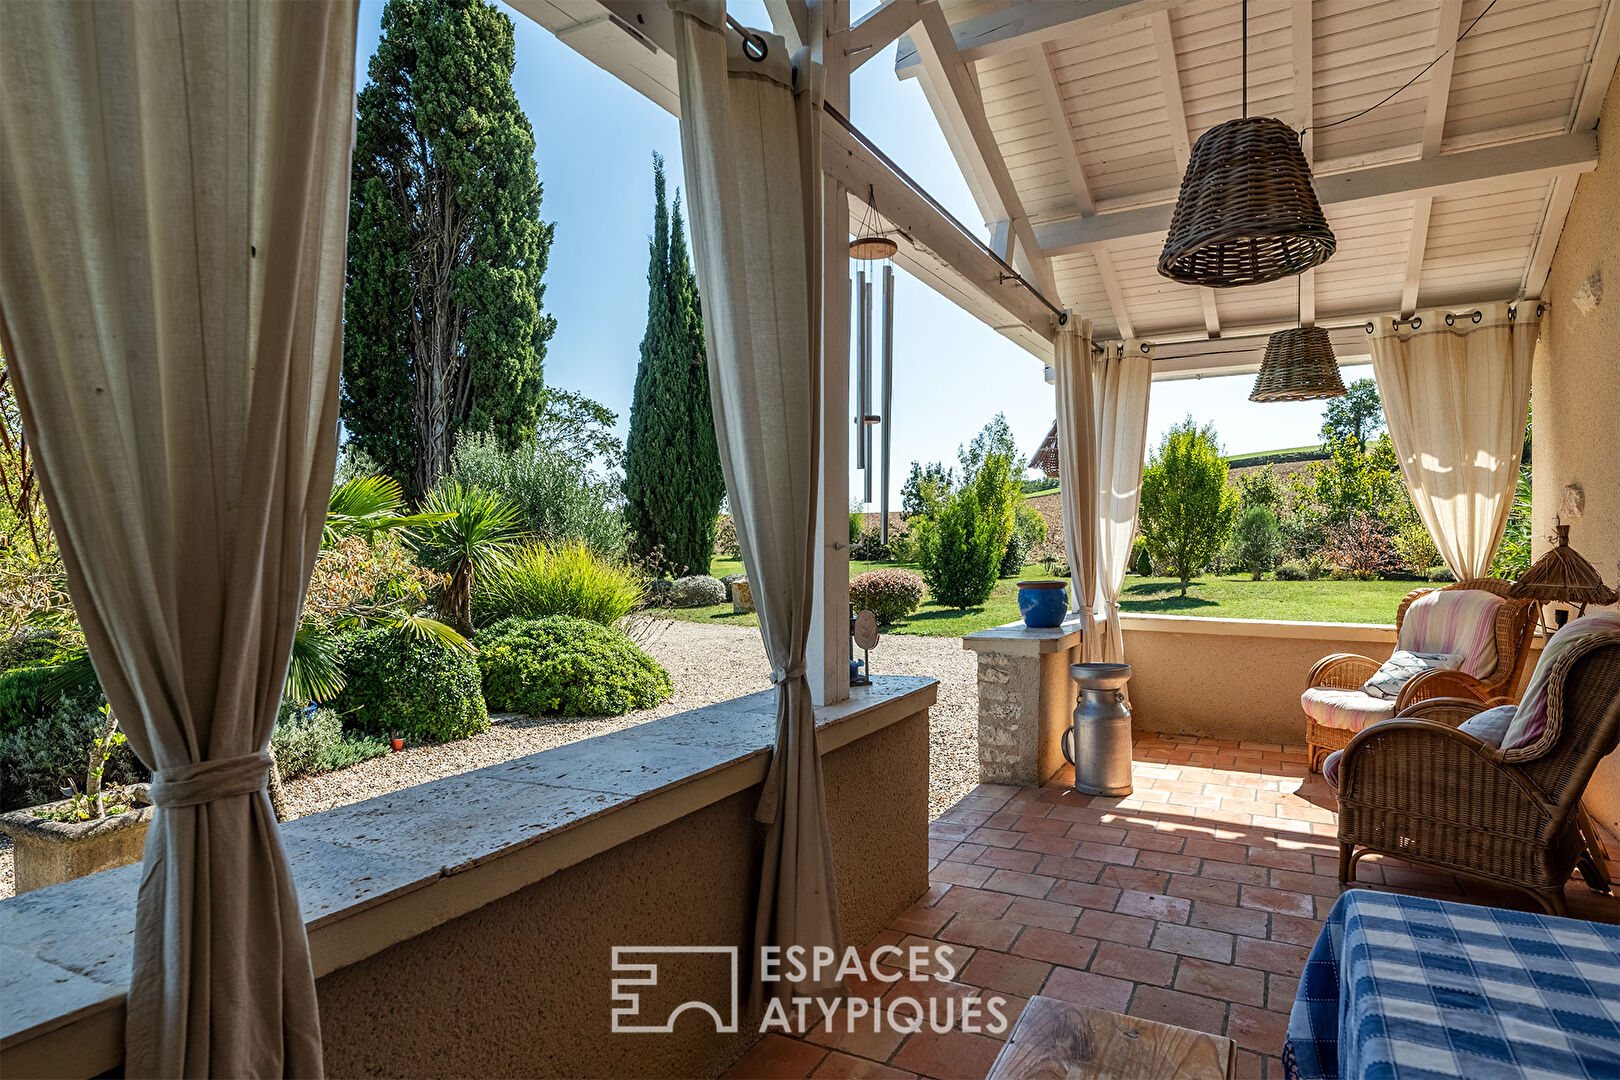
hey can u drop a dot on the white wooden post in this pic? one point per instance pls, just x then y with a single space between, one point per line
828 659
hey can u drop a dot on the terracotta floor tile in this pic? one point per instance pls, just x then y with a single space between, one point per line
1294 930
955 873
1278 956
1099 897
1106 853
980 932
1192 941
948 1056
1009 859
1133 877
1003 971
1223 982
1047 844
777 1057
1233 920
925 957
1203 888
1134 963
1297 861
1280 990
1070 869
1069 950
1096 834
1107 926
921 920
991 837
974 902
1021 884
1179 1009
838 1066
1088 988
1153 906
1039 823
1237 873
1278 900
968 852
859 1032
1047 914
1166 861
1259 1030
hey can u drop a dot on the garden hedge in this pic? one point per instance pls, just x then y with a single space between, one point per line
395 681
566 666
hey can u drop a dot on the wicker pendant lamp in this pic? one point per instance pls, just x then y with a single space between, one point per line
1562 576
1299 365
1247 212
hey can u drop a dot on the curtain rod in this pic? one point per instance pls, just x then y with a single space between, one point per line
1007 272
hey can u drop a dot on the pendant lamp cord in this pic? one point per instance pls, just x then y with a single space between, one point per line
1245 59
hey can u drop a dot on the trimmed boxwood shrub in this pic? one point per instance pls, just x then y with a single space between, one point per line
396 681
891 594
566 666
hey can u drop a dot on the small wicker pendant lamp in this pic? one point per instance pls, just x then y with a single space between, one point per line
1564 577
1299 365
1247 212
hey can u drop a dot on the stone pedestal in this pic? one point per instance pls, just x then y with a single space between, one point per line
1026 699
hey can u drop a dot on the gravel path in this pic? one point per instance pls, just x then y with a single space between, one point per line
707 664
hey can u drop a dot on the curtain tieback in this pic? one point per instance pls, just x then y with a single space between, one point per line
779 676
210 781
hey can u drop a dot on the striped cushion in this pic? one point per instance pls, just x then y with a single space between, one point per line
1349 710
1530 718
1330 769
1454 621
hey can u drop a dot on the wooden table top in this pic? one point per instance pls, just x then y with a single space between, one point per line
1054 1040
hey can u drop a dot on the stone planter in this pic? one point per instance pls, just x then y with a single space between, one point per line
742 597
51 852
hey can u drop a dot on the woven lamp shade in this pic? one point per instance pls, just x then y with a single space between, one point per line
1247 212
1563 576
1299 365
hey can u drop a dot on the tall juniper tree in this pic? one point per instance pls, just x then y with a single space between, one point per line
672 479
443 327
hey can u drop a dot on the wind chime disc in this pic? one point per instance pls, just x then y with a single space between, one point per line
872 248
1299 365
866 630
1247 212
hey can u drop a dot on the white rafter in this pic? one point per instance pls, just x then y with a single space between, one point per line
1175 110
1116 295
957 92
1303 46
874 31
1031 22
791 19
1040 67
1447 27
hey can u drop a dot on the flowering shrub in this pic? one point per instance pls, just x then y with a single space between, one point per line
566 666
890 594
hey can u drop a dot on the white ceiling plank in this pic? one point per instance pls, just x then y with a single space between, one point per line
1164 51
1116 295
1464 172
1417 242
1552 227
1040 66
1303 48
791 19
1029 22
1599 70
958 90
877 29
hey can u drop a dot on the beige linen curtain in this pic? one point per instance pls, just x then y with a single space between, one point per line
1077 464
1455 398
1123 378
749 141
173 196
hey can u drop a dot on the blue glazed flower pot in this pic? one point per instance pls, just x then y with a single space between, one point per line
1042 603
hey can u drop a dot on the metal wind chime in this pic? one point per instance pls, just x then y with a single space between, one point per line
872 419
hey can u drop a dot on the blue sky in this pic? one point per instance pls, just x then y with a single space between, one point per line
594 143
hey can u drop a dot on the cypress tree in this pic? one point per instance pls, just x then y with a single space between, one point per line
672 479
443 327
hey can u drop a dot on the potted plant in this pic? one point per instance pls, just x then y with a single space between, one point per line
398 739
83 833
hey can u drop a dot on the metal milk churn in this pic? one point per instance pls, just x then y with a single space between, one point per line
1099 743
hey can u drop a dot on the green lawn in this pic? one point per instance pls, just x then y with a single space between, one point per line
1211 596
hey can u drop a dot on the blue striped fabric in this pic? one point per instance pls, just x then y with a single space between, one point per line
1406 988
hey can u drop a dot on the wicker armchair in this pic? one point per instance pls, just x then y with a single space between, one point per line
1417 788
1515 622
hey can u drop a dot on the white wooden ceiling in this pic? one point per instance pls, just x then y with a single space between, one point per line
1452 193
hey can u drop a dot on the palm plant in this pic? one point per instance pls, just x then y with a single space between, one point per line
472 536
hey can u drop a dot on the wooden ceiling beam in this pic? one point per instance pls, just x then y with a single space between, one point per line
1462 172
1116 295
1303 49
1600 67
1175 110
877 29
1447 26
791 19
1031 22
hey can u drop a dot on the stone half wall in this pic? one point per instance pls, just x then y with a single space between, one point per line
521 986
1575 394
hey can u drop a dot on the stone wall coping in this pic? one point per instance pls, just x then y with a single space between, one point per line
1016 639
1272 628
378 872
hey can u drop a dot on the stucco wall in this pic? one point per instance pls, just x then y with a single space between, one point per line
1233 681
520 987
1575 391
